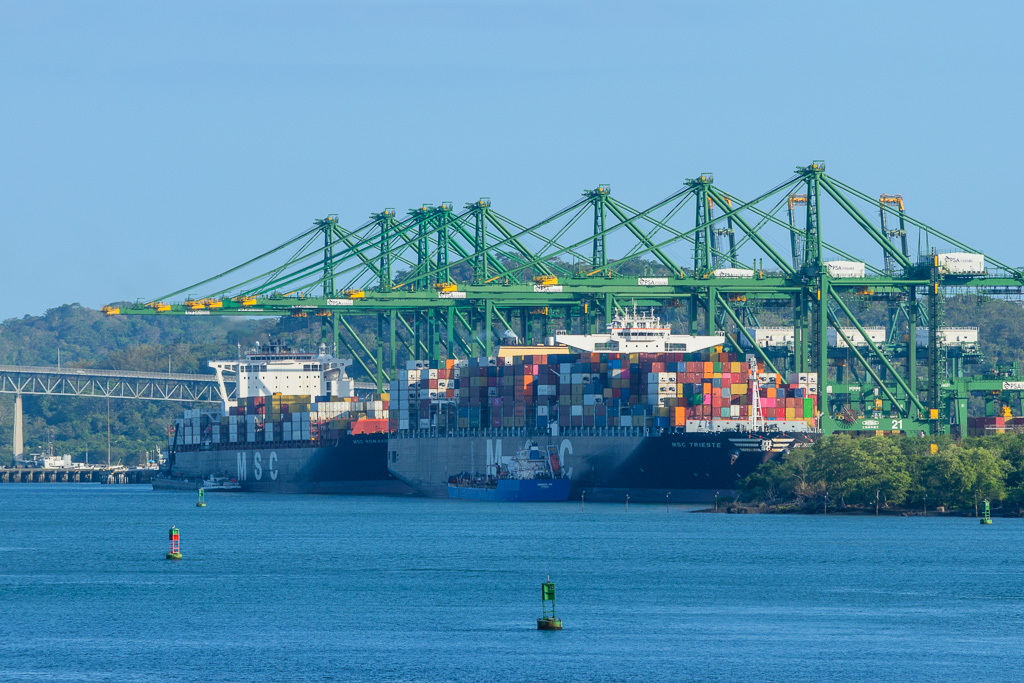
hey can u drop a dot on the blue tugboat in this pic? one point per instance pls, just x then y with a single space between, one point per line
530 476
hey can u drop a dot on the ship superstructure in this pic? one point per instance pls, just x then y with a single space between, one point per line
638 332
279 370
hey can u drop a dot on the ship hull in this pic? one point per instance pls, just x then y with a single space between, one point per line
355 464
684 467
515 491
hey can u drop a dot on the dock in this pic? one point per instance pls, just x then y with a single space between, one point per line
100 475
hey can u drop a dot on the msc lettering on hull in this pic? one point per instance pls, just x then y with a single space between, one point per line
257 466
494 452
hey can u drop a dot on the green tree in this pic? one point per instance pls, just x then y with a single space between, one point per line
839 465
887 472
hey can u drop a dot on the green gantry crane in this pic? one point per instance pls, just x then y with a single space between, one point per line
446 282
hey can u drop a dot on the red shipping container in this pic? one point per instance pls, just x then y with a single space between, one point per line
370 426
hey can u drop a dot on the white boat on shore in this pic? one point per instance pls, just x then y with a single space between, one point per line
165 483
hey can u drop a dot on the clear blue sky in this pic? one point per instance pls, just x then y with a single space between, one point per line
147 145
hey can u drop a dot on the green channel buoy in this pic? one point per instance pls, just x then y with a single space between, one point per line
201 503
986 517
548 620
173 545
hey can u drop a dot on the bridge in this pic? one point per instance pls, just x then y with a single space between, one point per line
159 386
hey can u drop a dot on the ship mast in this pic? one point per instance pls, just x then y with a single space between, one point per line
756 417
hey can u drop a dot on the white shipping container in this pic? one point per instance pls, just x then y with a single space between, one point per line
875 334
840 269
732 272
576 411
768 336
949 336
960 263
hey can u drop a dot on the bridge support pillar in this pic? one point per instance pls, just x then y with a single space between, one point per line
19 438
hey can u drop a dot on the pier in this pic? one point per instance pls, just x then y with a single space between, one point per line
100 475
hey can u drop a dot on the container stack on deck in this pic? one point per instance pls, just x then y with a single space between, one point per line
284 418
659 391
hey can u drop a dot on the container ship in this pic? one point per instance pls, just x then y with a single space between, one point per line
637 411
296 426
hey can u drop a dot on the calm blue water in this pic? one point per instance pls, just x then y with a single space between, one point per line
334 588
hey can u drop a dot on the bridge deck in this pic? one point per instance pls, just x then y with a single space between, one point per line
159 386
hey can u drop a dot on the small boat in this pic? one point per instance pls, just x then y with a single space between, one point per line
531 475
168 483
221 484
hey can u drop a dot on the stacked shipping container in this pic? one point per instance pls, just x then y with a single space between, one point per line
284 418
663 390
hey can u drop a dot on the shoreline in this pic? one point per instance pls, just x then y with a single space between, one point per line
793 509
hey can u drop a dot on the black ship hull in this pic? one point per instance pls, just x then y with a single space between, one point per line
355 464
683 467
